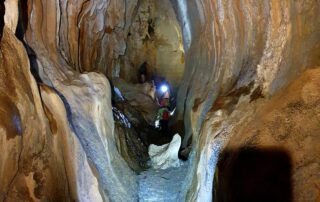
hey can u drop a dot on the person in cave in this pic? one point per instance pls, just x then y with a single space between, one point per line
164 110
164 114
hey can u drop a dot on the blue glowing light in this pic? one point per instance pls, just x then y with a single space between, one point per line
164 88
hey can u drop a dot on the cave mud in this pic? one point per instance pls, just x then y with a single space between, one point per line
76 120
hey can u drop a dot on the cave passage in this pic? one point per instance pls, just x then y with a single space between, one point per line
161 177
145 101
159 100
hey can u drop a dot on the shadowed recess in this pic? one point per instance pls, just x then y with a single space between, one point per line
253 174
2 10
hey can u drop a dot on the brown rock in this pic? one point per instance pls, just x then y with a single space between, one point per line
278 150
25 134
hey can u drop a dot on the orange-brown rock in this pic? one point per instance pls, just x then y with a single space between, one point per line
154 37
275 156
231 44
30 168
83 35
236 53
58 146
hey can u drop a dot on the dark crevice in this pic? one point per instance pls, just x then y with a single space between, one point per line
23 20
2 12
20 33
254 174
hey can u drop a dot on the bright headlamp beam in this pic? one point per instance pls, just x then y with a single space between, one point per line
164 88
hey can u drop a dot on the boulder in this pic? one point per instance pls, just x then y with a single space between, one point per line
139 97
165 156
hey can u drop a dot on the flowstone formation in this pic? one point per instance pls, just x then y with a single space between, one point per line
60 143
38 145
165 156
238 56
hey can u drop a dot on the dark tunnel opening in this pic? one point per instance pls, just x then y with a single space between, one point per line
2 12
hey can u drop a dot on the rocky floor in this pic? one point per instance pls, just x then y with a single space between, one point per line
163 185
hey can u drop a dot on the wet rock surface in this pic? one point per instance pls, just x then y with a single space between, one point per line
163 185
129 143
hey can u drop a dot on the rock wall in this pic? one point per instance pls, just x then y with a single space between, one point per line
238 55
91 36
274 155
81 162
57 146
11 14
82 35
40 155
154 37
230 45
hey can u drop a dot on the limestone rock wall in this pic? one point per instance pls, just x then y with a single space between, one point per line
84 35
82 162
107 36
230 45
154 37
275 154
11 14
82 178
41 159
239 54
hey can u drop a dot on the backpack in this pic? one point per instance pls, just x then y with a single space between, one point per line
165 115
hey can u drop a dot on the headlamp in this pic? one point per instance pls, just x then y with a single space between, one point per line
164 88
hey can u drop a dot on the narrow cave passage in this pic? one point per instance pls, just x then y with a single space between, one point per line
85 84
153 154
145 89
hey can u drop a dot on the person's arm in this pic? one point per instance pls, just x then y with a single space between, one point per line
159 114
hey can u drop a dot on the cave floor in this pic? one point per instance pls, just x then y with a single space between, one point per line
163 185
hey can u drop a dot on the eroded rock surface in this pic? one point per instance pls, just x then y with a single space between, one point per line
11 14
154 37
82 179
277 150
59 146
165 156
238 54
230 45
88 99
129 143
139 97
31 168
86 35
